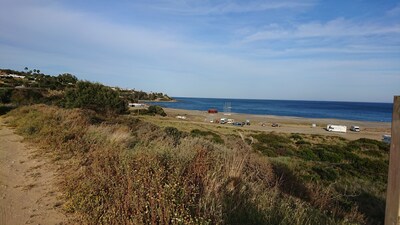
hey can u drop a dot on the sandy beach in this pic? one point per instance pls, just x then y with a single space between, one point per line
372 130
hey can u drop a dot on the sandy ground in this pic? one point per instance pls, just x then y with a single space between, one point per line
27 191
372 130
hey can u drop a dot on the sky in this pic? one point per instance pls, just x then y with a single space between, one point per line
256 49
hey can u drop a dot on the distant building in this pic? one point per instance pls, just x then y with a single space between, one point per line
136 105
12 76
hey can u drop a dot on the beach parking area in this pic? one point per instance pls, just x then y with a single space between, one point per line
193 118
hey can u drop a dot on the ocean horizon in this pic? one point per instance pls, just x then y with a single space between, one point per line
359 111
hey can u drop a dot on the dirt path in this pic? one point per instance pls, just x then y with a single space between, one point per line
27 191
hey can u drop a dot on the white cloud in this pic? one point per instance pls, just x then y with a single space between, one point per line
394 11
335 28
211 7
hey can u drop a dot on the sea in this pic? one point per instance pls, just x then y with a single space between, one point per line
360 111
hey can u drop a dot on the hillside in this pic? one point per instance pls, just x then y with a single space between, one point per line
124 170
42 88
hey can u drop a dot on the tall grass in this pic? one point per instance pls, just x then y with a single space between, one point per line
125 171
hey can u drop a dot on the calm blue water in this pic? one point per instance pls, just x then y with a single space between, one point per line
362 111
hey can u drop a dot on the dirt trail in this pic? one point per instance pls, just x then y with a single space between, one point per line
27 191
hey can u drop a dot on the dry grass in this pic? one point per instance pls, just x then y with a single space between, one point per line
124 171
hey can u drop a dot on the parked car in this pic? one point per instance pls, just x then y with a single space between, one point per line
355 128
223 120
275 125
238 124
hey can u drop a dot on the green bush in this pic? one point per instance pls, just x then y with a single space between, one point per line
96 97
5 95
296 137
156 110
302 142
27 96
264 150
363 144
326 173
373 153
207 134
327 156
5 109
272 139
307 154
175 134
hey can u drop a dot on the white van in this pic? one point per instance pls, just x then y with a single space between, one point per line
355 128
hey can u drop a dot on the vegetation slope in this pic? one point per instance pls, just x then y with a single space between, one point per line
122 170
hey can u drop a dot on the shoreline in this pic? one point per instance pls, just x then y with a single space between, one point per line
369 129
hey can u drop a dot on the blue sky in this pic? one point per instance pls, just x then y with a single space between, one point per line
300 50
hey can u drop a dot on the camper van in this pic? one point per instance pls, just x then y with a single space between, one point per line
336 128
223 120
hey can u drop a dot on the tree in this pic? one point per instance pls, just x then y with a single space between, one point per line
5 95
156 110
96 97
27 97
67 78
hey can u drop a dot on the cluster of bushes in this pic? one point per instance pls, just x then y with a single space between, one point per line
96 97
365 158
39 80
18 97
134 96
155 110
273 145
340 162
122 170
66 90
214 137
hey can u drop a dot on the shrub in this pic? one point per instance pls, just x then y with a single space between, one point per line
374 153
5 95
207 134
326 173
363 144
264 150
307 154
296 137
302 142
5 109
156 110
96 97
273 145
327 156
272 139
26 97
175 134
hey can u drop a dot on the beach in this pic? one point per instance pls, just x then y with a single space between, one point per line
372 130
